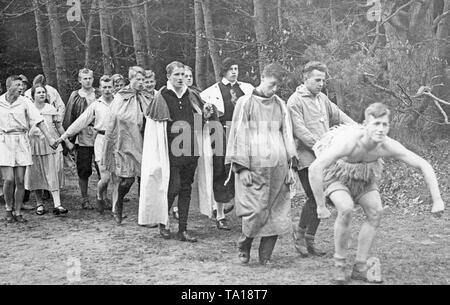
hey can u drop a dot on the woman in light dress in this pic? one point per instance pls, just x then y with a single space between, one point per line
47 171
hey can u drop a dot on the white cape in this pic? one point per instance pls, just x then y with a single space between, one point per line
155 174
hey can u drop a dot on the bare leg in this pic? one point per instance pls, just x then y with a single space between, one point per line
102 185
8 186
124 186
344 204
371 203
342 232
19 175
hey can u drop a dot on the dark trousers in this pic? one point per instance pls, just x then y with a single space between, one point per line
266 245
308 216
84 159
182 171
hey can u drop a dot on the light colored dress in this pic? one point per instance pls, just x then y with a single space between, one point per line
261 140
47 171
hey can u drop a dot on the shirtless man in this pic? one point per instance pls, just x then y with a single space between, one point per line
347 170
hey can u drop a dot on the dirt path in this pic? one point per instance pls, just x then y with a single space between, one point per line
414 249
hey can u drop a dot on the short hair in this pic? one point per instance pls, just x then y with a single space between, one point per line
226 65
134 71
106 79
173 65
85 71
188 68
275 70
24 79
39 79
12 79
33 89
149 74
117 77
314 65
377 110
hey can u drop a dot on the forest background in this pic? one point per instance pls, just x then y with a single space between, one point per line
396 52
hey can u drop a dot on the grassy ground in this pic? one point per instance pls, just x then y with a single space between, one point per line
412 245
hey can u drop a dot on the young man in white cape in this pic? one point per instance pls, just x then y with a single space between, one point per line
173 140
224 95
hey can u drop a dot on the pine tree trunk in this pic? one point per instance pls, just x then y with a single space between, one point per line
138 29
42 43
58 49
88 47
213 47
106 50
200 46
148 35
114 48
261 32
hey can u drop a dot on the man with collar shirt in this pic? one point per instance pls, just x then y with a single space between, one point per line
97 114
78 101
170 152
312 116
223 95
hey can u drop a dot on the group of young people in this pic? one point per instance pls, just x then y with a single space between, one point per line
231 145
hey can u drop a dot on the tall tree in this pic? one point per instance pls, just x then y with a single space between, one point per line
261 31
58 49
88 44
104 36
138 29
114 45
42 43
148 36
213 47
200 46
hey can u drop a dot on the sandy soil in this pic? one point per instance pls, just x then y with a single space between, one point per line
413 248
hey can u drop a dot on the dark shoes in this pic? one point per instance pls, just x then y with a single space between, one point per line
9 217
20 219
100 206
244 255
60 211
107 204
361 274
86 205
228 209
300 242
185 236
311 246
222 225
244 246
339 275
164 232
305 244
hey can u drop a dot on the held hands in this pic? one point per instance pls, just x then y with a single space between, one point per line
69 145
208 110
323 212
53 143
